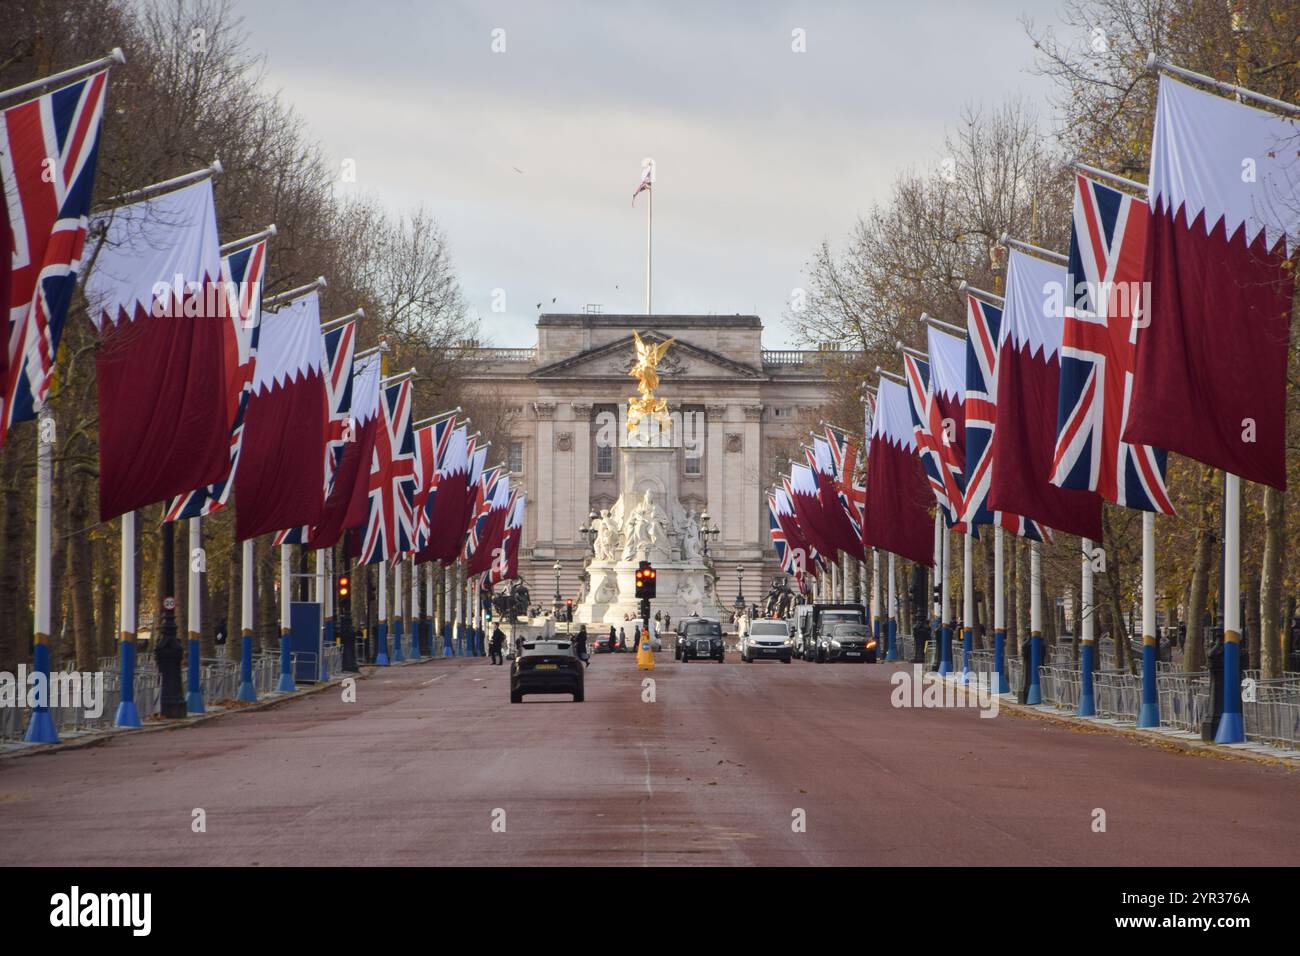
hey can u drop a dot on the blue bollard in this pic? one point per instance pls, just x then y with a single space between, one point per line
1035 695
1000 683
891 638
286 684
1149 712
415 627
246 689
127 714
381 636
40 729
945 650
446 639
1087 696
967 645
399 655
194 699
1231 728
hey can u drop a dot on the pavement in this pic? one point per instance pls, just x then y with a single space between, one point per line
731 764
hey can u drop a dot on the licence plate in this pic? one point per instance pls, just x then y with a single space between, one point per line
547 667
852 653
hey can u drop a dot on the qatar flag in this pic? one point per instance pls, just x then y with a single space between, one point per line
933 440
442 518
805 495
349 498
1209 376
834 506
155 295
490 512
898 494
1029 384
280 482
505 564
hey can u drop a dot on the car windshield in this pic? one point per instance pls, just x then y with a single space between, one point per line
831 618
769 627
703 629
850 630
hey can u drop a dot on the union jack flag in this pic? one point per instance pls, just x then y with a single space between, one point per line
848 476
241 281
1107 246
485 496
388 532
48 150
431 444
505 553
340 346
983 324
784 553
941 470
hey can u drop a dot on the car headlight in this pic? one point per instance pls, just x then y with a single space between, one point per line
788 642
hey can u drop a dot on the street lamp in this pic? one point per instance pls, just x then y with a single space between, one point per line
556 568
740 587
707 531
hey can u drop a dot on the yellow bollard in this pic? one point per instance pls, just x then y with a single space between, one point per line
645 655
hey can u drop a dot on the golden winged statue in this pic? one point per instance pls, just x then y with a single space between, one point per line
646 372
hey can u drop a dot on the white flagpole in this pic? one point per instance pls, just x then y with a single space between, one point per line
286 684
1036 623
414 616
322 601
1086 629
999 614
127 713
967 607
40 729
649 246
448 607
892 623
429 609
194 698
1231 728
381 658
1149 712
398 654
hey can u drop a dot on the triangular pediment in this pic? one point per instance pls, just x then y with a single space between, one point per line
683 361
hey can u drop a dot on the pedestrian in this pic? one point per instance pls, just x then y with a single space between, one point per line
668 621
582 643
622 639
498 639
613 639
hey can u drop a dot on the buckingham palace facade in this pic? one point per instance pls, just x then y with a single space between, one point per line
740 411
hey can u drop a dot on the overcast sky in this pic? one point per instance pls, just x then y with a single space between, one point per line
529 157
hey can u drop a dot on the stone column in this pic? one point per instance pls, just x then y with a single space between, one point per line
546 488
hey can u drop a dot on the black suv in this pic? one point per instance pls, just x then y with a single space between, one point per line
700 639
847 642
546 667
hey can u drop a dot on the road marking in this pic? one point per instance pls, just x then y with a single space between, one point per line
431 680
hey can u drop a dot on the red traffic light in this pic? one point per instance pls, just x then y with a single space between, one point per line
345 586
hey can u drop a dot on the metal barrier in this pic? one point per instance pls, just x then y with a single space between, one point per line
1118 694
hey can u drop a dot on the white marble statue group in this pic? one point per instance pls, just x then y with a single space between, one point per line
647 532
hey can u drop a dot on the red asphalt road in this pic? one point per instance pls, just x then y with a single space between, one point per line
712 772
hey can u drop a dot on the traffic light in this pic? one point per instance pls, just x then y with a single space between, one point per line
345 590
645 580
568 609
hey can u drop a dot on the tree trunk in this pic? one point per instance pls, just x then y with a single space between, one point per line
268 608
1250 614
61 502
106 593
1271 628
1194 652
14 636
80 571
1023 592
234 600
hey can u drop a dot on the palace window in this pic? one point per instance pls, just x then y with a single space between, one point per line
515 458
604 459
